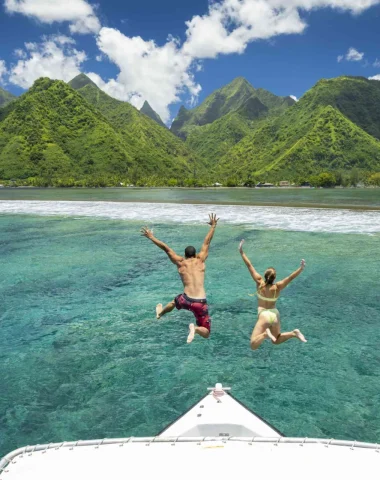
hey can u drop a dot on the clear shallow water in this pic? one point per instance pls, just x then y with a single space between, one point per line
337 198
82 356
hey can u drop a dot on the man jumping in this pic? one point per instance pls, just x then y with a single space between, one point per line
192 272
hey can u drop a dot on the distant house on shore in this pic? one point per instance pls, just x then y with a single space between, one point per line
284 183
217 185
264 185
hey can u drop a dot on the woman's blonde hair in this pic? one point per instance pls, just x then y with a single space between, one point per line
270 277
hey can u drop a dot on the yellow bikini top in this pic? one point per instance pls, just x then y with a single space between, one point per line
265 299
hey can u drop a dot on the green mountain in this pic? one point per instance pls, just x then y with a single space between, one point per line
52 131
146 109
154 147
211 142
356 97
5 97
228 99
77 131
312 136
214 140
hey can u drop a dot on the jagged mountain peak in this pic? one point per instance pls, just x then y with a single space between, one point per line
148 110
81 81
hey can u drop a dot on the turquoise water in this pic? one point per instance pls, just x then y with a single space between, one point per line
82 356
338 198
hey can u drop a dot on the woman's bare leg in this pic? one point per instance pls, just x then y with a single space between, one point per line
284 337
160 312
259 334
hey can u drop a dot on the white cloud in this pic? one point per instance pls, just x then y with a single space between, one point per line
55 57
354 55
150 72
99 58
376 77
79 13
294 97
3 71
19 53
230 25
376 63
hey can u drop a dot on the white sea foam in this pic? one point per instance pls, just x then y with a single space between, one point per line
279 218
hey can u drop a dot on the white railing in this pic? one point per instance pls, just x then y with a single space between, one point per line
173 440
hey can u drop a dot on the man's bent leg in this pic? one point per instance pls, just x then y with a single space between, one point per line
203 327
202 331
163 311
193 330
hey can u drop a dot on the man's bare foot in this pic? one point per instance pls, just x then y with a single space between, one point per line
158 311
300 336
190 338
270 335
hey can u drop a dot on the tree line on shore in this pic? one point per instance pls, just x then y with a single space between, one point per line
324 179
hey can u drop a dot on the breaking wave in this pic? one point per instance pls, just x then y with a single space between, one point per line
278 218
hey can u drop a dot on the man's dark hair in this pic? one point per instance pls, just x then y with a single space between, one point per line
190 252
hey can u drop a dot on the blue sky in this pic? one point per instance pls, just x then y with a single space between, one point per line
283 46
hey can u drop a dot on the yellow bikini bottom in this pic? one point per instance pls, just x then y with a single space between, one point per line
274 314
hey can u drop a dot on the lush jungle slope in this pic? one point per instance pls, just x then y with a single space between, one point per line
154 147
53 131
313 136
5 97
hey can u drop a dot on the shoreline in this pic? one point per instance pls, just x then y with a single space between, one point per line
349 199
28 187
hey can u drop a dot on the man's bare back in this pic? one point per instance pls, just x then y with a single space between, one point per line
191 269
192 273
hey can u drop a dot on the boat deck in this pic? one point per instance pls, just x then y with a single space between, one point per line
171 459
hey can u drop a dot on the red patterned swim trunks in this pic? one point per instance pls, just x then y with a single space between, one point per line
199 308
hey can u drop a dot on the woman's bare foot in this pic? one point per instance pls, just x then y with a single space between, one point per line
158 311
190 338
300 336
270 335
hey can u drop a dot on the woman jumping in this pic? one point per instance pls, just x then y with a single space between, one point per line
268 321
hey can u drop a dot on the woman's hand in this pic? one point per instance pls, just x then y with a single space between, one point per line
303 264
241 247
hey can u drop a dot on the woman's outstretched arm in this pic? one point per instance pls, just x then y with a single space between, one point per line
256 276
284 283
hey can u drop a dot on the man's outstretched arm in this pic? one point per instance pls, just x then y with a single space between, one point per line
206 244
174 258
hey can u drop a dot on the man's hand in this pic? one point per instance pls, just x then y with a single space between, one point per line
241 246
145 232
213 220
303 264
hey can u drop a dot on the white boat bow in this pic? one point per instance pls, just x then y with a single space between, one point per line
218 437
